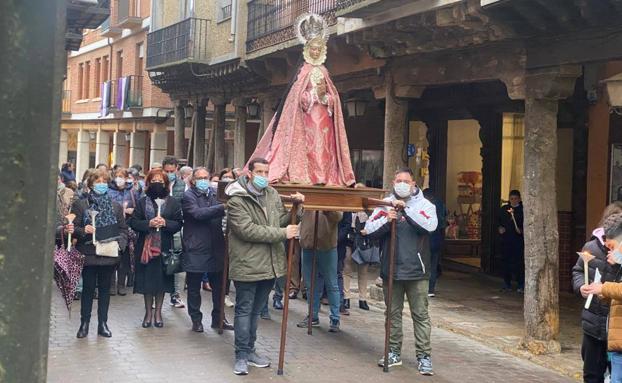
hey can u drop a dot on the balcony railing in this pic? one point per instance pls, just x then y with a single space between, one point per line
125 93
128 13
66 103
272 21
225 12
185 41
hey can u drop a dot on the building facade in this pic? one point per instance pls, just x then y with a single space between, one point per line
112 114
478 96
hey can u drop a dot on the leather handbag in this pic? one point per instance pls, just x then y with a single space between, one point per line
171 260
107 249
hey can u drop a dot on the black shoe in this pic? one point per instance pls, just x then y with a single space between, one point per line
146 324
103 330
83 331
363 305
293 295
225 326
197 327
346 303
277 304
343 310
121 292
158 324
304 295
77 296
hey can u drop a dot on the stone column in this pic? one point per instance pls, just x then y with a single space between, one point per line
31 113
395 132
137 148
63 148
199 133
268 103
239 137
102 147
219 134
491 135
82 152
544 89
159 144
180 129
119 149
437 150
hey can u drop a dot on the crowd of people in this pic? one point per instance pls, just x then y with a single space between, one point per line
125 221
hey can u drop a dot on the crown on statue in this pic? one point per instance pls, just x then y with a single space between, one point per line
310 26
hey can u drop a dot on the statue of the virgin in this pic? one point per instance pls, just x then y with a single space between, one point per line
306 141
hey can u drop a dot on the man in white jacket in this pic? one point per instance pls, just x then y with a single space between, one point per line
416 219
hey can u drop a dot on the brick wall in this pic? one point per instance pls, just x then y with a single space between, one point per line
567 250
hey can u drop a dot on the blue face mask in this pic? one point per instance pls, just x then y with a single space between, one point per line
171 177
617 256
260 182
141 183
202 185
100 188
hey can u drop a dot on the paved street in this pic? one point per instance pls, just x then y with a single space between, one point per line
175 354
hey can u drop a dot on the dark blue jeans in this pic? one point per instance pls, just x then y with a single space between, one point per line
434 258
279 286
327 267
250 297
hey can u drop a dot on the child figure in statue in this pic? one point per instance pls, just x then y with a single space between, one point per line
306 141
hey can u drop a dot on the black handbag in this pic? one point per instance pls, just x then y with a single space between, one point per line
171 260
366 251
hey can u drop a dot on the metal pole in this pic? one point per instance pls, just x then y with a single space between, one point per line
290 255
225 277
387 325
310 294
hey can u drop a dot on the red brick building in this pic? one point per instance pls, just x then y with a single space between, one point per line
112 113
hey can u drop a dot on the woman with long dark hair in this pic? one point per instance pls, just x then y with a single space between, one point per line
155 236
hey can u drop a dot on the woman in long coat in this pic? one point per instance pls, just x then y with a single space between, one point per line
155 236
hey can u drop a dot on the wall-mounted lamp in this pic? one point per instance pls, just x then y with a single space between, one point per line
356 107
253 109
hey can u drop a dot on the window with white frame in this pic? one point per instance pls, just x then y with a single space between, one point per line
224 10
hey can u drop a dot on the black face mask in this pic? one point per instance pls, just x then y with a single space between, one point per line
156 190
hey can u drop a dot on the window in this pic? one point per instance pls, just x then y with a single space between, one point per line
119 64
140 58
87 79
224 10
105 68
80 81
97 75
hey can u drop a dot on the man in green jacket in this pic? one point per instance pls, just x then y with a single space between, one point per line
258 226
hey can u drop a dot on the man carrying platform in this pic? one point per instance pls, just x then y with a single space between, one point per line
416 219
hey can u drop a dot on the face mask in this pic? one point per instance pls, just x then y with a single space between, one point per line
402 189
226 179
202 185
156 190
129 182
171 177
120 182
100 188
617 256
141 183
260 182
214 185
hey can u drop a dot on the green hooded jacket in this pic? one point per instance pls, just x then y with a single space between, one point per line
256 237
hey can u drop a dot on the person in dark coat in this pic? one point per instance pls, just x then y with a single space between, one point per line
204 246
511 231
594 318
109 226
156 233
67 174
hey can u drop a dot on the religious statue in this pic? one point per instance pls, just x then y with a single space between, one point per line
306 141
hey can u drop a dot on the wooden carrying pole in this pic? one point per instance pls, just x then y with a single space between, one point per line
311 293
225 280
369 203
290 255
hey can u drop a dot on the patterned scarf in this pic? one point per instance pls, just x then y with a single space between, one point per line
153 242
106 220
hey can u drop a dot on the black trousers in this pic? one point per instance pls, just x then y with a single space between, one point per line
92 275
594 355
513 261
193 281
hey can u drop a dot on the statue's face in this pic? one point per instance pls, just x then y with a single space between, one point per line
315 50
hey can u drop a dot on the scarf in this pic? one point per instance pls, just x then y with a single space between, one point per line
106 225
152 247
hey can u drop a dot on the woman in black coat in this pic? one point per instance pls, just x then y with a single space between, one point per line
157 232
109 226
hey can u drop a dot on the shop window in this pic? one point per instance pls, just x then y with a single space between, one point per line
368 167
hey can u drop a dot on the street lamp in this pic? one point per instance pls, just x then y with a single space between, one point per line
613 86
253 109
356 107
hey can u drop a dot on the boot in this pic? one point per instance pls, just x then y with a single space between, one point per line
103 330
346 303
83 331
363 305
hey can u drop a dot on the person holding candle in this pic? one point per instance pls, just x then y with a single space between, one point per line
108 226
611 292
511 231
155 224
594 318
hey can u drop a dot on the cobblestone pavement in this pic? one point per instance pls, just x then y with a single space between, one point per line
176 354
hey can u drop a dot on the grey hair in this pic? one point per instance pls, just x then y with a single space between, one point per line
194 172
185 170
613 226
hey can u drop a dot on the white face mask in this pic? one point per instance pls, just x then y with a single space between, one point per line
402 189
214 184
120 182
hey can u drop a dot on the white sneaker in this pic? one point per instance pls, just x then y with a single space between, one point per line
228 302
